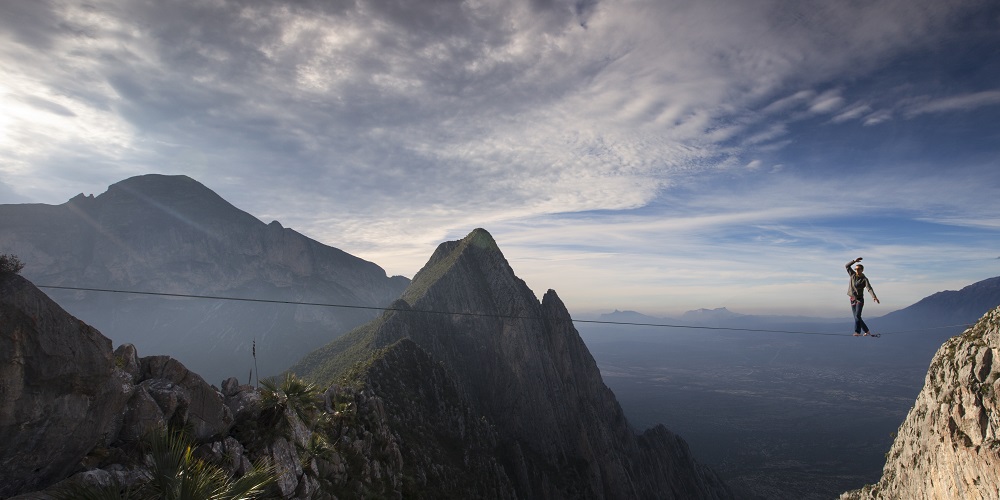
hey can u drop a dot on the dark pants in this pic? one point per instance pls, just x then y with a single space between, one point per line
859 324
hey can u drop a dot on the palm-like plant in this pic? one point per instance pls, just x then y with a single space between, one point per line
293 393
175 473
172 472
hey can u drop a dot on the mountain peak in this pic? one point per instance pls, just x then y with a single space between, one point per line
165 189
161 186
171 233
481 238
163 200
521 365
476 257
706 314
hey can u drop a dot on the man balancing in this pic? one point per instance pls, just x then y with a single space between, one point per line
856 290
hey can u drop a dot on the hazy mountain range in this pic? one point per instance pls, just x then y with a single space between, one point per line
170 234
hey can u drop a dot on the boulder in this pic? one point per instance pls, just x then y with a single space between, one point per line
185 397
61 393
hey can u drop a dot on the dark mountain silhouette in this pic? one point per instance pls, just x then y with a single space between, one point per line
522 365
949 307
171 234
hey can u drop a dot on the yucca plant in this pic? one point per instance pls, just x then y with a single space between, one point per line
175 474
293 393
170 471
318 448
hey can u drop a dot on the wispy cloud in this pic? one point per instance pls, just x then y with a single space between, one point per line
962 102
384 127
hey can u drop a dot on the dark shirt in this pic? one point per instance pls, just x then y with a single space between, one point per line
856 288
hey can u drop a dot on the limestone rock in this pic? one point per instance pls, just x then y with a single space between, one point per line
143 414
60 391
948 446
127 357
243 401
185 397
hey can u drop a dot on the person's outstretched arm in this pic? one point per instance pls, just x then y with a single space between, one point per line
872 292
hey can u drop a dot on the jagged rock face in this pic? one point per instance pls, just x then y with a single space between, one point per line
522 364
60 391
445 449
63 393
948 446
171 234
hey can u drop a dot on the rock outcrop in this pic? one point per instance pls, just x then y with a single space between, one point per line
171 234
64 394
949 444
521 364
60 391
72 413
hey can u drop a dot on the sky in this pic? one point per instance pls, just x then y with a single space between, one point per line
657 156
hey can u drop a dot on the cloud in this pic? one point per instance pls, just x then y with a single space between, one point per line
962 102
827 102
8 195
878 117
383 127
853 112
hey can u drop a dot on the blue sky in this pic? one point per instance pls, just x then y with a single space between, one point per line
653 155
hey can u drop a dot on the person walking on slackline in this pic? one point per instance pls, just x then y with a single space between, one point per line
856 290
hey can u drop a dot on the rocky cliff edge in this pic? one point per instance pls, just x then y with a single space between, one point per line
948 446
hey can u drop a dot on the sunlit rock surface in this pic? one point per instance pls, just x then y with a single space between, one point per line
948 445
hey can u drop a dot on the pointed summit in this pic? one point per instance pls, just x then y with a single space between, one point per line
475 265
522 365
448 252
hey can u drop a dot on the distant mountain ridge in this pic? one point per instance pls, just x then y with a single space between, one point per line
954 308
171 234
950 306
718 317
522 365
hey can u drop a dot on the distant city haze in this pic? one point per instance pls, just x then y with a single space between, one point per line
657 156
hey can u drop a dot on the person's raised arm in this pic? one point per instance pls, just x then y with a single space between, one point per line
851 263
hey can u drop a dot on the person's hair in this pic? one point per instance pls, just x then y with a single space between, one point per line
860 267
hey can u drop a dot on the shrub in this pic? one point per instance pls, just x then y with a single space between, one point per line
10 264
303 398
170 471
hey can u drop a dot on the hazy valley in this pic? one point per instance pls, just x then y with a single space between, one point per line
782 415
